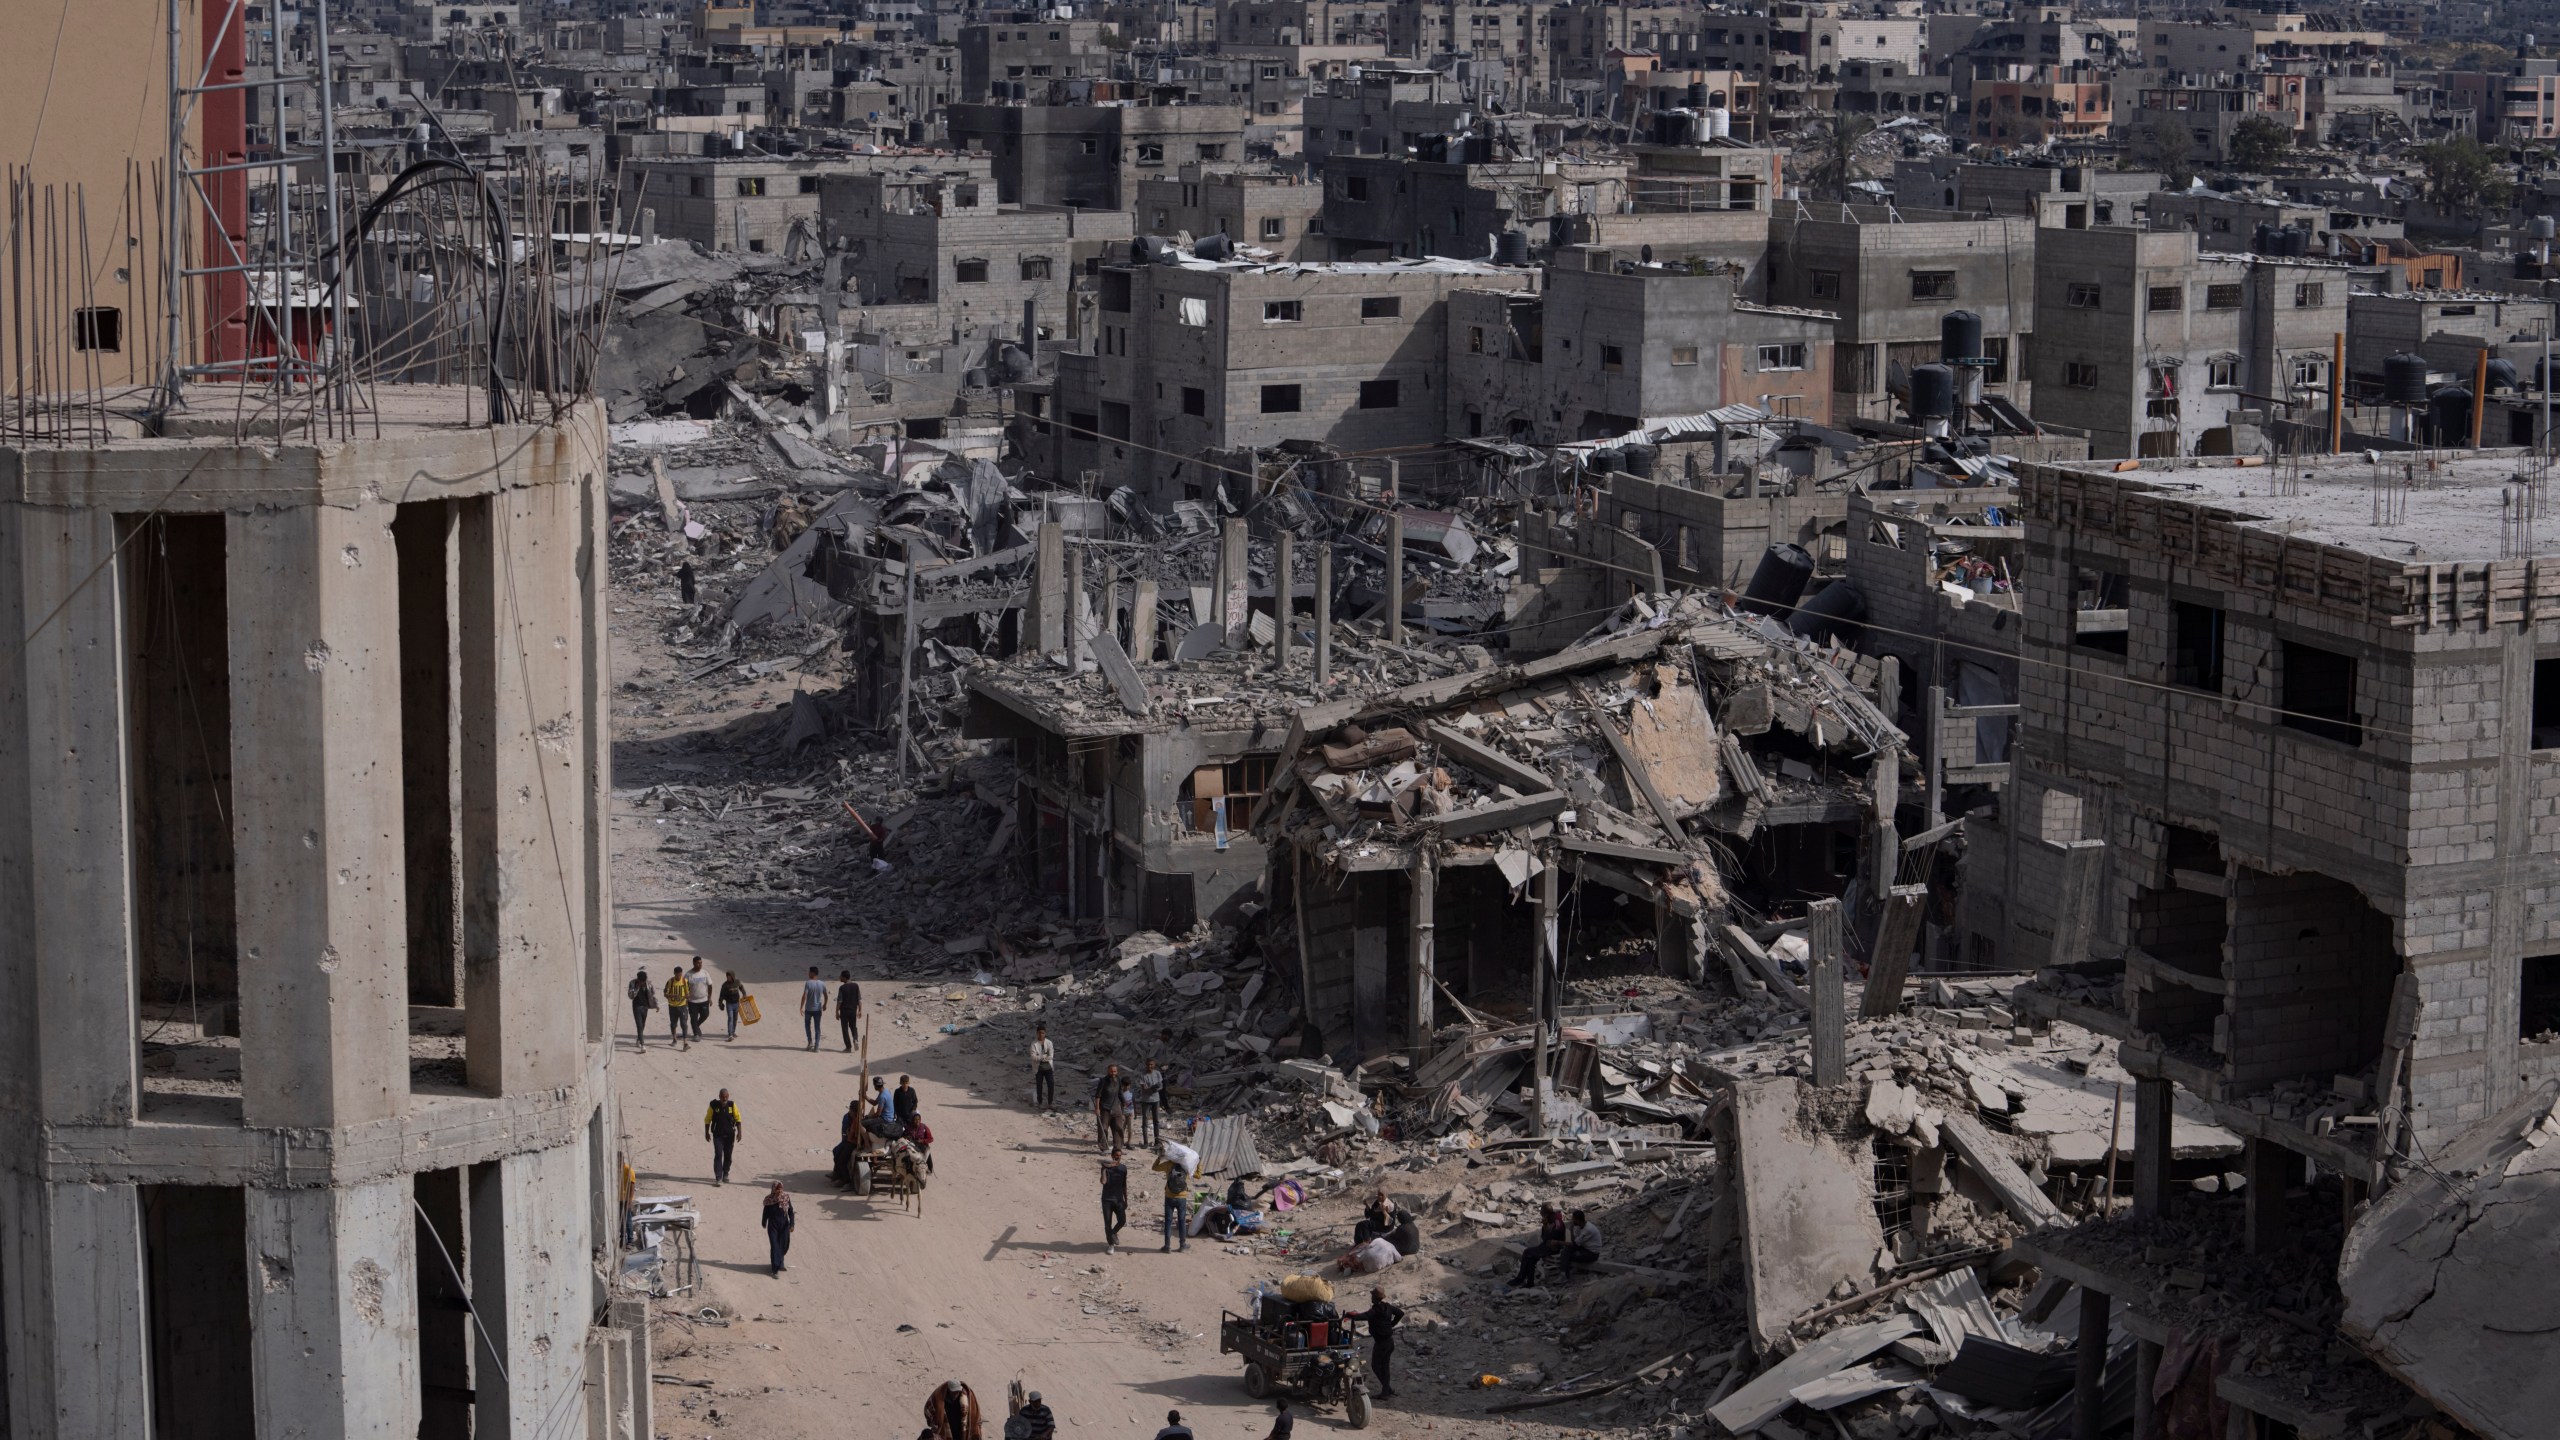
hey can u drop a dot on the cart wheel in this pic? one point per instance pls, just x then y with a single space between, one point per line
1355 1409
862 1177
1257 1382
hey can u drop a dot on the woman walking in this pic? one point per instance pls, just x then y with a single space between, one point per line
778 1222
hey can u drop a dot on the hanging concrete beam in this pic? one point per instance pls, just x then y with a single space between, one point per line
1419 950
1324 615
2152 1118
1049 590
1284 561
1233 601
1142 624
2089 1378
1889 962
1395 577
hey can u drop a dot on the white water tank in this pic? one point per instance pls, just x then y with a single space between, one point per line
1719 124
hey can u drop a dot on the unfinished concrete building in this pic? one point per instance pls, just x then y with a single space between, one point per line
1271 210
941 240
1091 157
2287 754
307 778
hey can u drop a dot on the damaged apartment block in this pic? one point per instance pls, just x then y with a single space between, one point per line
2273 824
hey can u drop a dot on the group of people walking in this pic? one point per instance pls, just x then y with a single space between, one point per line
690 996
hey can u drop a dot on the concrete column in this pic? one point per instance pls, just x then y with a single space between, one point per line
2152 1114
318 832
1284 564
1420 949
2269 1169
596 756
1324 615
333 1333
523 802
1234 600
1079 609
2146 1370
69 953
1395 576
79 1353
2089 1379
529 1248
2503 1075
1048 590
1142 623
632 1317
1830 995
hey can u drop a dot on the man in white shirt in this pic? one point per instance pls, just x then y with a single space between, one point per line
813 1007
1044 1069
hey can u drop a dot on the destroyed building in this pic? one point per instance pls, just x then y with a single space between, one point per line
1199 355
1891 275
956 264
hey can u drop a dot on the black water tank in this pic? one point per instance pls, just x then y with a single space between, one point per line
1511 247
1778 580
1639 459
2404 379
2263 239
1698 96
2541 375
1833 614
2449 412
2502 376
1215 246
1933 393
1959 336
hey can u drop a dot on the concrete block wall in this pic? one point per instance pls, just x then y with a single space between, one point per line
311 1166
2434 821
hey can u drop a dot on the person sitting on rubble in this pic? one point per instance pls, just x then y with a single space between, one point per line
951 1413
1553 1236
1581 1246
1369 1257
1234 1213
1378 1219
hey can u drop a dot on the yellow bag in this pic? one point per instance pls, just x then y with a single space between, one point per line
747 1010
1306 1287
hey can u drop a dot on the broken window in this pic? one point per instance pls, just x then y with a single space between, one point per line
1279 399
2197 661
1822 284
2223 373
1684 354
2320 693
1281 312
1221 796
2080 375
1378 394
751 185
1613 359
2538 1001
969 272
1035 267
178 761
1381 307
2546 704
1933 284
2101 617
2084 296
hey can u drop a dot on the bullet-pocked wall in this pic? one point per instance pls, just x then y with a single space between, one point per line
302 811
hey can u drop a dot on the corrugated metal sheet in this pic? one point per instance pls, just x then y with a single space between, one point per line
1226 1148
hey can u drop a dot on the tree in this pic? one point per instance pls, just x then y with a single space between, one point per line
2258 142
2166 146
1834 154
2464 177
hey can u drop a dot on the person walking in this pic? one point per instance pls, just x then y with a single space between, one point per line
778 1223
722 1126
680 1007
1177 1201
1382 1320
1151 1104
951 1413
733 993
644 998
849 1010
697 987
1110 1109
1174 1429
1044 1069
902 1101
813 1006
1115 1201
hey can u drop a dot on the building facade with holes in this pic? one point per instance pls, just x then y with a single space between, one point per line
2287 780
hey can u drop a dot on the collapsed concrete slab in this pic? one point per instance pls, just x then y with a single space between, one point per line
1807 1214
2447 1276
